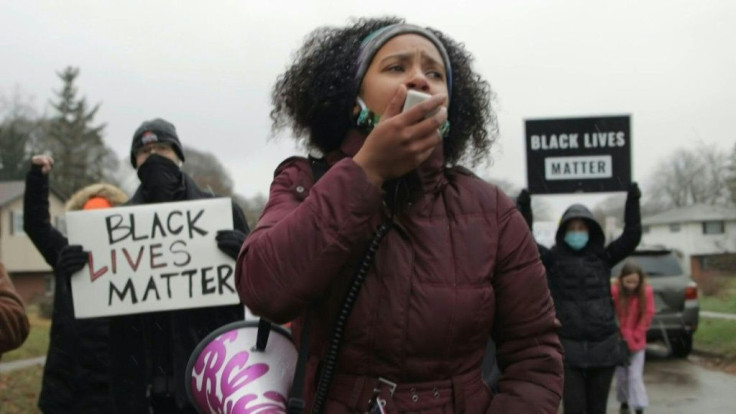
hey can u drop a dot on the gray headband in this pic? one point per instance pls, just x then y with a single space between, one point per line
374 41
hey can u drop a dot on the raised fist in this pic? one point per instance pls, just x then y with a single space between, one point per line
634 191
44 161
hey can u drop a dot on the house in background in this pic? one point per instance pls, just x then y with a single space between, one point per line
705 236
31 275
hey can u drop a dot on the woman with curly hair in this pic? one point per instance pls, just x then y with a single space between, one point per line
452 264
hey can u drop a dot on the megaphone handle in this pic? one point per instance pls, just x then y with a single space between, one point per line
264 329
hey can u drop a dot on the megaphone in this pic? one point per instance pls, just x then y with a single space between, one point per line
240 368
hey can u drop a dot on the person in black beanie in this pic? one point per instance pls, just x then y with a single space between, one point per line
157 155
149 352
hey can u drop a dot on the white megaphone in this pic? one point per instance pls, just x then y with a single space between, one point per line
240 368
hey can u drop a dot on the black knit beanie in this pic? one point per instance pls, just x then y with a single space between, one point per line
155 130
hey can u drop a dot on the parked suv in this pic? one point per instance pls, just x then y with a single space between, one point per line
675 298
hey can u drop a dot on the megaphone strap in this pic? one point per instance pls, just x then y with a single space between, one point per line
264 329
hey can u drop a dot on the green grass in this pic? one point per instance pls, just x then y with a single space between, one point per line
37 343
19 390
724 301
716 335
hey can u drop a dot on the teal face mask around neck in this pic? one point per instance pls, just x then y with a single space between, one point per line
576 239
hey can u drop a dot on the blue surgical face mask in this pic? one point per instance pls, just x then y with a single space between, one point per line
576 239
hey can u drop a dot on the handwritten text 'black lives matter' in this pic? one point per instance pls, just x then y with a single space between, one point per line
170 260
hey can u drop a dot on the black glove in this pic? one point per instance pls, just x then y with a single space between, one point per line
524 204
524 200
634 191
71 259
229 241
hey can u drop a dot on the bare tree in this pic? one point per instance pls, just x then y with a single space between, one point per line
252 207
210 175
611 206
18 123
207 171
690 176
615 206
731 175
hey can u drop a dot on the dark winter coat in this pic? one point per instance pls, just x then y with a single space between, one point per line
581 289
76 373
14 325
458 266
151 347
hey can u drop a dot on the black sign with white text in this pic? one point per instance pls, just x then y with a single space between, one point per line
571 155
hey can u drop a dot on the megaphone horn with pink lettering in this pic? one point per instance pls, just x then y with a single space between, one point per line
240 368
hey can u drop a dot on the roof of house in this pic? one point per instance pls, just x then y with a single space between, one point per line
11 190
696 212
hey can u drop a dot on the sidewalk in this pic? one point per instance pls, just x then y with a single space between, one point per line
718 315
20 364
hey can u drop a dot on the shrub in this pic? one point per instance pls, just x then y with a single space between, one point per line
46 307
711 285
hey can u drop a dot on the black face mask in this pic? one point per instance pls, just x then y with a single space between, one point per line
161 180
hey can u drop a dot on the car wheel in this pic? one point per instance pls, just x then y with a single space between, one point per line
682 345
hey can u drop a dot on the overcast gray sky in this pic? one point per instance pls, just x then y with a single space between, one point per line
208 67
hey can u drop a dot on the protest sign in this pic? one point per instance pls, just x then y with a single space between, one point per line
571 155
150 258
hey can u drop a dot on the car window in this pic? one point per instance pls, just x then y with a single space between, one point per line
653 265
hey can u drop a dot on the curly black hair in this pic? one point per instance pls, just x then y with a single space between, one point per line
315 96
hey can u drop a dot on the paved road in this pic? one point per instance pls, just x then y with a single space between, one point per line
675 386
684 386
23 363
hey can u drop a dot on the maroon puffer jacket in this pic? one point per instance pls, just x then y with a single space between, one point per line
459 265
14 325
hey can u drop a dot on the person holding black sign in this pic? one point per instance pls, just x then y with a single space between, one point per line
579 273
452 263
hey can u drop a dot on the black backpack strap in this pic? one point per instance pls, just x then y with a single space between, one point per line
319 167
296 404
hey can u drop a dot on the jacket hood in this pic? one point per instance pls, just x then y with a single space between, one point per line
111 193
579 211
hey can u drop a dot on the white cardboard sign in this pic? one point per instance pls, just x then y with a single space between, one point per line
151 258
